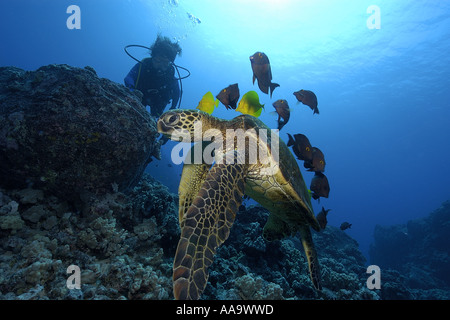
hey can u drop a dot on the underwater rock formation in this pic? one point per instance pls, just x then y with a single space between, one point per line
124 245
118 244
67 131
69 137
415 258
248 267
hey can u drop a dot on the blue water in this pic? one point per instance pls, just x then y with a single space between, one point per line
383 93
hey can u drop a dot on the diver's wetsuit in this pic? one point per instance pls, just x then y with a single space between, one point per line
158 87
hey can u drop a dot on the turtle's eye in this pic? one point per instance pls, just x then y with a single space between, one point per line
172 119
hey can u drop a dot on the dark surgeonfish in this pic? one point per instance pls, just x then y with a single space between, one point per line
345 225
317 163
282 109
309 98
322 217
301 146
262 72
319 186
229 96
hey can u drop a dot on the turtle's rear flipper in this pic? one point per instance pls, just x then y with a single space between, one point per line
206 226
311 255
276 229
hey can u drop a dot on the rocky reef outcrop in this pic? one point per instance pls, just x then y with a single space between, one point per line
66 131
248 267
69 137
124 245
415 257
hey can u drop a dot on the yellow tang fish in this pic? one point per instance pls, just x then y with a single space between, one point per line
249 104
208 103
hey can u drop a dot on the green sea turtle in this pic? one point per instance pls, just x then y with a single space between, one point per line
210 195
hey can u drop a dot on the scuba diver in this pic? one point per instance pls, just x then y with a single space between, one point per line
155 76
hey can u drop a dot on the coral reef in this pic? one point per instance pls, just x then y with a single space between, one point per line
73 148
124 245
248 267
415 258
117 242
66 130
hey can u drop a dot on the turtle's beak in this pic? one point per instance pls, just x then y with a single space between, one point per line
163 128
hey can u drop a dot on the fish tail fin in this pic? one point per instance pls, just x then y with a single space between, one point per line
272 87
307 164
316 110
291 141
216 103
257 113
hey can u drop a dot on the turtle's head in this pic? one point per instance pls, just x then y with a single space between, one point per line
184 124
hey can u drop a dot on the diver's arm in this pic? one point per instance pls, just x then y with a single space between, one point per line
175 94
130 79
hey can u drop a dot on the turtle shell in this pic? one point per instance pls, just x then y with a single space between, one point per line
278 186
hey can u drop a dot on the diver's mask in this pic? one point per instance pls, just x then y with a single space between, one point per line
161 63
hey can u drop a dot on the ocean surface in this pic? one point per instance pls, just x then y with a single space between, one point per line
380 70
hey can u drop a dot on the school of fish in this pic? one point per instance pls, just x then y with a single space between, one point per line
313 158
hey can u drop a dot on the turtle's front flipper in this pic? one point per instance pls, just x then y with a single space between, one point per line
192 177
311 255
206 226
